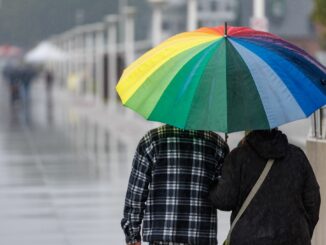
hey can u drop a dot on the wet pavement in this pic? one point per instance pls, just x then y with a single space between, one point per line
62 180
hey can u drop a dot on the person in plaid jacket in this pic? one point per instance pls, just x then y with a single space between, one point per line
168 188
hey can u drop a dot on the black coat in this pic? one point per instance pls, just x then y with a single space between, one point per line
285 209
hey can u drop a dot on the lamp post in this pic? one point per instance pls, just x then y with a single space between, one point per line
112 21
259 21
192 15
99 36
129 36
157 6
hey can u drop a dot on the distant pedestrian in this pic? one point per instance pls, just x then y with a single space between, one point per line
49 78
168 187
11 75
285 209
26 75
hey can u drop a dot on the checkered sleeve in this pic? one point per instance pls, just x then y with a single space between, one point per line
137 192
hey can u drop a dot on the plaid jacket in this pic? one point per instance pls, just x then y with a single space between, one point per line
168 187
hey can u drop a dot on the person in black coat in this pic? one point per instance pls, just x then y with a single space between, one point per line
285 210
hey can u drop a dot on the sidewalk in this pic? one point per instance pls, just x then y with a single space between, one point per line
58 184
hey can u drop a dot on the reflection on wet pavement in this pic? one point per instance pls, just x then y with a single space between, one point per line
62 179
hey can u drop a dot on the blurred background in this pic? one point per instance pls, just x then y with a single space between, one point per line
66 143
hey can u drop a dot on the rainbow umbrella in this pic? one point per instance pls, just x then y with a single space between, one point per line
224 79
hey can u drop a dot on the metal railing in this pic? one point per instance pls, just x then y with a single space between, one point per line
318 118
318 127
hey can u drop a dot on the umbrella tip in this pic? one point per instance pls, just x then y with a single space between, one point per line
225 29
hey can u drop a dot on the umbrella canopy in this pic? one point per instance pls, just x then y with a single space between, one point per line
45 52
224 79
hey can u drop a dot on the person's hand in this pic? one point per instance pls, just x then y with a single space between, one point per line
137 243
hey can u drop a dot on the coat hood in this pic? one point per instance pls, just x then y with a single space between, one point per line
268 143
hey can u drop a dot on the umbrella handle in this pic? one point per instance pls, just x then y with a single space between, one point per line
226 136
